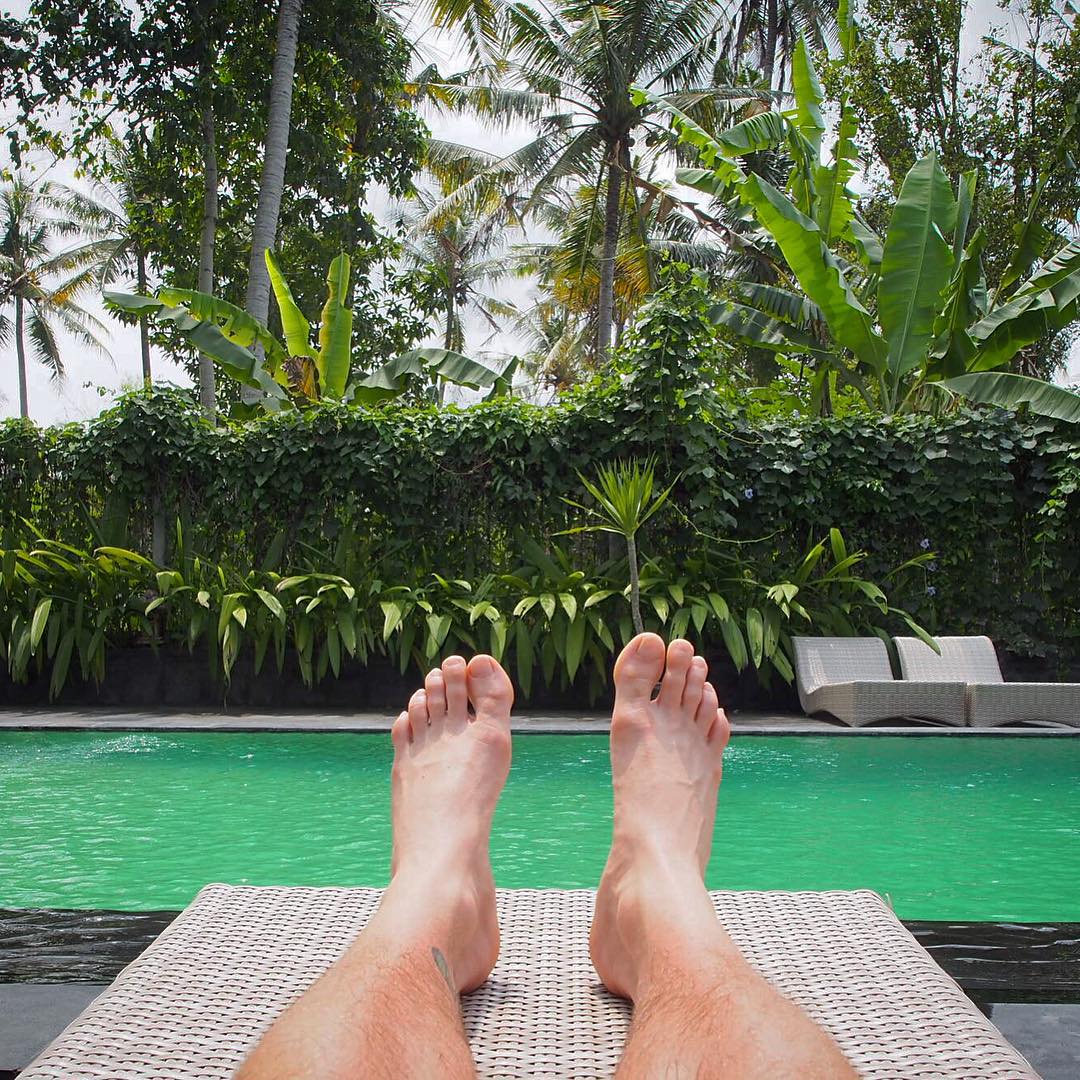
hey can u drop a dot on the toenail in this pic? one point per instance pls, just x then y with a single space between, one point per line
483 665
454 661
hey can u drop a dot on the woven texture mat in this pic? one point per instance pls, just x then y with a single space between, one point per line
197 1000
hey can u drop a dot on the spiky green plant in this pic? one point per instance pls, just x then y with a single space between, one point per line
624 503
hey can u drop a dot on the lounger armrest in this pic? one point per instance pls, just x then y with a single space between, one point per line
864 702
991 704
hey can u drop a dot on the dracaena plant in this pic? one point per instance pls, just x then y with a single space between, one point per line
624 500
906 320
305 367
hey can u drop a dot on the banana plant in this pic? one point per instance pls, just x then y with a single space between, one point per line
905 320
301 370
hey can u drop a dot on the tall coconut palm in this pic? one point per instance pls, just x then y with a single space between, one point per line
458 255
107 218
275 150
764 33
569 72
41 285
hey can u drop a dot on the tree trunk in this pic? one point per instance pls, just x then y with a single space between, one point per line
768 61
207 381
605 306
144 330
272 181
635 585
20 352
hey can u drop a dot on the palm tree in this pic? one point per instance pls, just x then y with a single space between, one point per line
457 255
766 32
272 181
569 72
107 218
28 265
651 229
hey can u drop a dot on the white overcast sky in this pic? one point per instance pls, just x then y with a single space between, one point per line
93 379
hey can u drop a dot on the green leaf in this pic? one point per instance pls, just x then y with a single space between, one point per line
547 602
575 647
61 664
808 96
526 657
733 642
916 265
272 603
296 328
393 612
335 331
817 270
39 621
569 605
1011 391
755 635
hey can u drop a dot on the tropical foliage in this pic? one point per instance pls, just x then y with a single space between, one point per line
900 319
295 372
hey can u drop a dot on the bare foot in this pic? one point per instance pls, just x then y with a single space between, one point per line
450 766
665 764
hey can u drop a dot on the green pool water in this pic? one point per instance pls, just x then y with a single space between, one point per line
948 828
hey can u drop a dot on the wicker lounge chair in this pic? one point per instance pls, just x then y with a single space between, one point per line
990 700
852 679
198 999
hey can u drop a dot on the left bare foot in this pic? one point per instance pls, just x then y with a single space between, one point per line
450 766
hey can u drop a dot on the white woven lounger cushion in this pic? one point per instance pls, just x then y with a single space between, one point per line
201 995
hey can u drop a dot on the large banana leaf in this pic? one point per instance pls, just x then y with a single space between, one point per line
784 304
233 322
835 209
296 328
335 331
964 303
392 378
1010 391
916 265
1060 273
817 270
206 336
808 96
763 331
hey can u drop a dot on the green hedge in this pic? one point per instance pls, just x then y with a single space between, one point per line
459 492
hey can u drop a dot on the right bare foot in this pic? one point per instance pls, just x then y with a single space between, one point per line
665 763
450 766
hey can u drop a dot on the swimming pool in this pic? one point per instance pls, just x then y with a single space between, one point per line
947 828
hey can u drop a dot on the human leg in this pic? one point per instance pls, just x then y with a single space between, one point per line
389 1007
699 1008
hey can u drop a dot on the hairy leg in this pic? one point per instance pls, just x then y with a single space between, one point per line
389 1007
700 1010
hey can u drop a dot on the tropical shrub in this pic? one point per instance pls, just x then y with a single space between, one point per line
906 320
411 491
59 605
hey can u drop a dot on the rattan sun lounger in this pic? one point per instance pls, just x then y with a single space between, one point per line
199 998
852 679
990 700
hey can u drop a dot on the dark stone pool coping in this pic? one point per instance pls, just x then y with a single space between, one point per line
995 961
524 723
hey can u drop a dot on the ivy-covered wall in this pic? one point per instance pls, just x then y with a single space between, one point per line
456 491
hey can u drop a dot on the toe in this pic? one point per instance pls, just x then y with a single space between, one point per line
707 706
721 730
435 689
490 690
399 731
680 653
695 686
418 715
457 693
638 668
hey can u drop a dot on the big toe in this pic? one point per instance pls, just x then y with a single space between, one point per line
638 668
490 690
